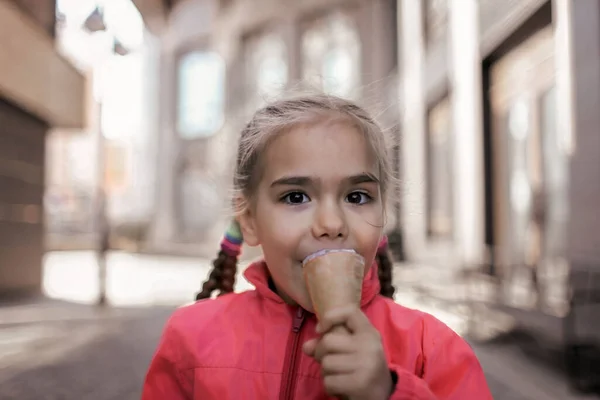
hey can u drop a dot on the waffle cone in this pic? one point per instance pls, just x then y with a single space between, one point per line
334 279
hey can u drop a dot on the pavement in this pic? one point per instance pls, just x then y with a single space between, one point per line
63 347
99 356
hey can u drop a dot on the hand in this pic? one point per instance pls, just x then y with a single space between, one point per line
352 360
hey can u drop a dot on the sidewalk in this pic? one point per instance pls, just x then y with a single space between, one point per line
56 350
107 351
511 374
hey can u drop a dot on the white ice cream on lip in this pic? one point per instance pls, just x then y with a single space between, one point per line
327 251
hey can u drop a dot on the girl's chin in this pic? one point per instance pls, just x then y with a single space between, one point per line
298 297
302 301
307 306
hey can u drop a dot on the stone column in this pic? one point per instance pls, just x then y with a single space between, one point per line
164 225
467 117
150 146
413 127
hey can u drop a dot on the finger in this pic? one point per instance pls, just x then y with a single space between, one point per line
335 317
335 364
334 343
352 317
309 347
339 384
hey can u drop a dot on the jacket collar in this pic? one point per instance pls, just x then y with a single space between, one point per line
258 275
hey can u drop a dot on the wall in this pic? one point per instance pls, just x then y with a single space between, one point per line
585 163
41 11
21 190
584 192
32 72
38 89
499 19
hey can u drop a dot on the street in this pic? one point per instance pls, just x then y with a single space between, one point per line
65 348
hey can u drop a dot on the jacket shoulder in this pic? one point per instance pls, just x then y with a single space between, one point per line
192 317
396 319
418 326
397 315
413 338
205 321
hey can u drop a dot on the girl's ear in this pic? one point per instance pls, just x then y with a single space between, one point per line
248 227
247 223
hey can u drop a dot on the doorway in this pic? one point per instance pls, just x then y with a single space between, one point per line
529 176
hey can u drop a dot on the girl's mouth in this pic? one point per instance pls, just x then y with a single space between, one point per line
326 251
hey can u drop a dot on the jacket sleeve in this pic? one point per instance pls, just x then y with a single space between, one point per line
165 379
451 370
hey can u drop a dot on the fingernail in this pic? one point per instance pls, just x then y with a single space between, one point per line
318 328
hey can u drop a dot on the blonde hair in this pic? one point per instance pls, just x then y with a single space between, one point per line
285 114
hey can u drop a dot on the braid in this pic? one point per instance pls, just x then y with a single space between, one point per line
222 276
385 269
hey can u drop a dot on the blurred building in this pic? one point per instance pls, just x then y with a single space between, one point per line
219 60
494 103
501 152
39 90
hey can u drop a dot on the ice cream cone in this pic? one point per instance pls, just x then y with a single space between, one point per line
334 279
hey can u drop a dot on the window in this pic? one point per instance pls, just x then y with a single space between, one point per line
201 84
266 68
439 171
331 54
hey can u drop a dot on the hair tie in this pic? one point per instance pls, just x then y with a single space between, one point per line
232 240
383 243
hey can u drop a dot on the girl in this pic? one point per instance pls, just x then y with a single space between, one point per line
312 173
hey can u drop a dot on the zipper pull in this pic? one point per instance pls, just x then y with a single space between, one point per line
298 320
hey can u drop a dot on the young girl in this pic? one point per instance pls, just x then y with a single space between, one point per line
312 173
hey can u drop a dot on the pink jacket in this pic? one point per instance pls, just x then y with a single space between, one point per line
248 346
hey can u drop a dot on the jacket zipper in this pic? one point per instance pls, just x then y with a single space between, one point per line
292 359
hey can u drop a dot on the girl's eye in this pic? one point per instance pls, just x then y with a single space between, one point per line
358 198
295 198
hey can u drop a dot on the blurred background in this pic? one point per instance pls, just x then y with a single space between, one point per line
118 128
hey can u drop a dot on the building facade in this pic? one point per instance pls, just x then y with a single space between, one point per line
38 90
220 60
500 149
494 106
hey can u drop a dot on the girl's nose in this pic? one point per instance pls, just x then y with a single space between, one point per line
330 222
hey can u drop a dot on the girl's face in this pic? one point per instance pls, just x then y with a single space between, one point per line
319 189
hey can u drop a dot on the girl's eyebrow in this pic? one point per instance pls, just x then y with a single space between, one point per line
292 181
364 177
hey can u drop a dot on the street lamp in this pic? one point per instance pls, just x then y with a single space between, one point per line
118 48
95 23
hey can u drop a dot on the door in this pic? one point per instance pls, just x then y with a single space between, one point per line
529 176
